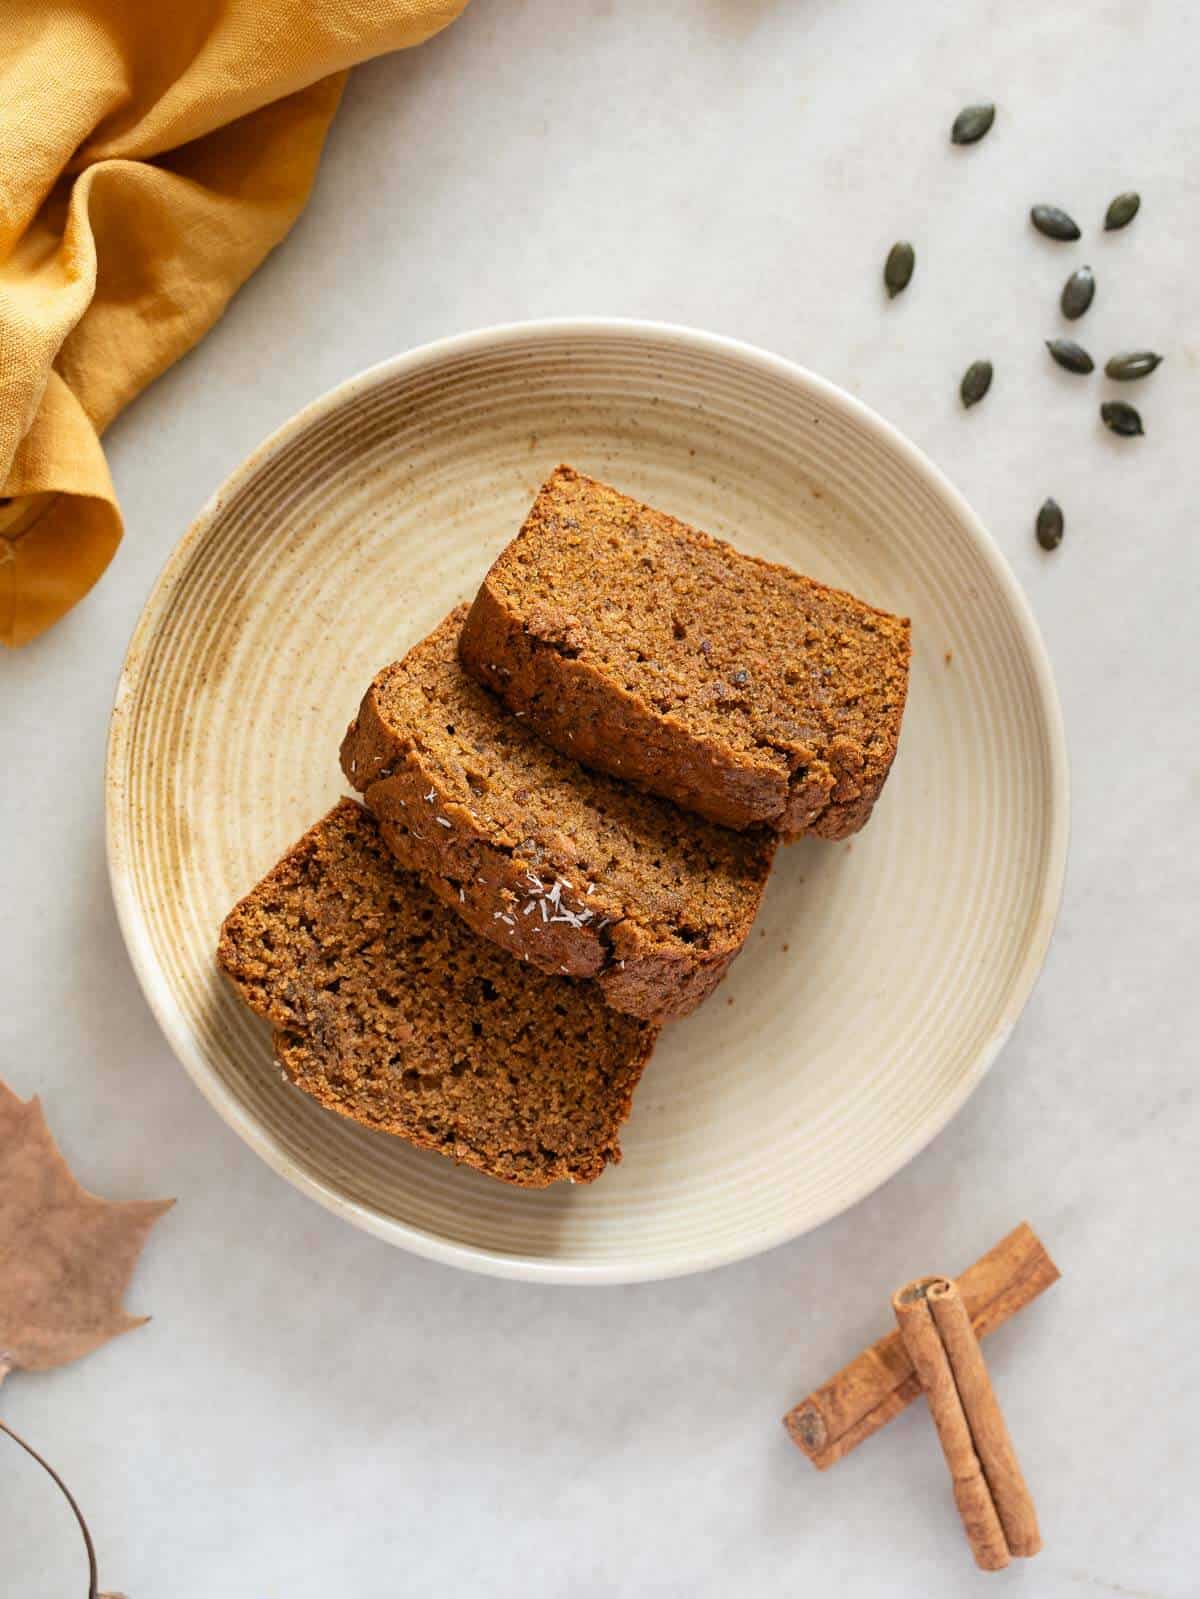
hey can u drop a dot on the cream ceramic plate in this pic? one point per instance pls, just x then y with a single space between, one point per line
883 976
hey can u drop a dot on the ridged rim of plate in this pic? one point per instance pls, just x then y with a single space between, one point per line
157 989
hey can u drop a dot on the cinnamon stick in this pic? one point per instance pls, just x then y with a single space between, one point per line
980 1518
989 1489
879 1383
1012 1499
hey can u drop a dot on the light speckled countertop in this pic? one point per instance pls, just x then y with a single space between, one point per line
313 1414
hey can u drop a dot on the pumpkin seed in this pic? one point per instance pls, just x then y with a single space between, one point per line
1121 418
898 269
1050 525
1055 224
1132 364
1122 211
971 123
1078 292
1070 355
977 380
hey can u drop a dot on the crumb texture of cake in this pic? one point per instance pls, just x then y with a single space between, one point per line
388 1010
567 869
734 687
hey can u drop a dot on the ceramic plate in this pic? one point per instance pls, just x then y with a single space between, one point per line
883 975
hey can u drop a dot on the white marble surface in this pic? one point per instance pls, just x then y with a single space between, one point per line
311 1413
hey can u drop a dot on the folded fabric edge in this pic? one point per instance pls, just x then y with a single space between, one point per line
54 563
60 524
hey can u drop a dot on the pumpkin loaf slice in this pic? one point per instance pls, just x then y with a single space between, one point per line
567 869
734 687
388 1010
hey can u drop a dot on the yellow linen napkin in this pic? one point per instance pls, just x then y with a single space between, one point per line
152 153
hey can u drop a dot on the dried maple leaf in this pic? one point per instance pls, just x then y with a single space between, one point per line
65 1256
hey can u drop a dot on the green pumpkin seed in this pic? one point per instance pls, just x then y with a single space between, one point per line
1121 418
1078 293
898 268
1070 355
1122 211
1055 224
971 123
1132 364
977 380
1050 525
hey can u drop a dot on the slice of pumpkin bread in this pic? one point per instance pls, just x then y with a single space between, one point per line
389 1010
565 868
732 686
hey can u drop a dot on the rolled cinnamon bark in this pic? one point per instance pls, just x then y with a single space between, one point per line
880 1382
972 1495
989 1432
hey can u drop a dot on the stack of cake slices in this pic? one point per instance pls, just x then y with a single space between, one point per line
572 792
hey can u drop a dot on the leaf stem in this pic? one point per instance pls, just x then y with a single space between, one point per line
93 1580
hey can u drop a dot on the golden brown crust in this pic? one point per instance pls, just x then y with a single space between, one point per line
732 686
389 1011
567 869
